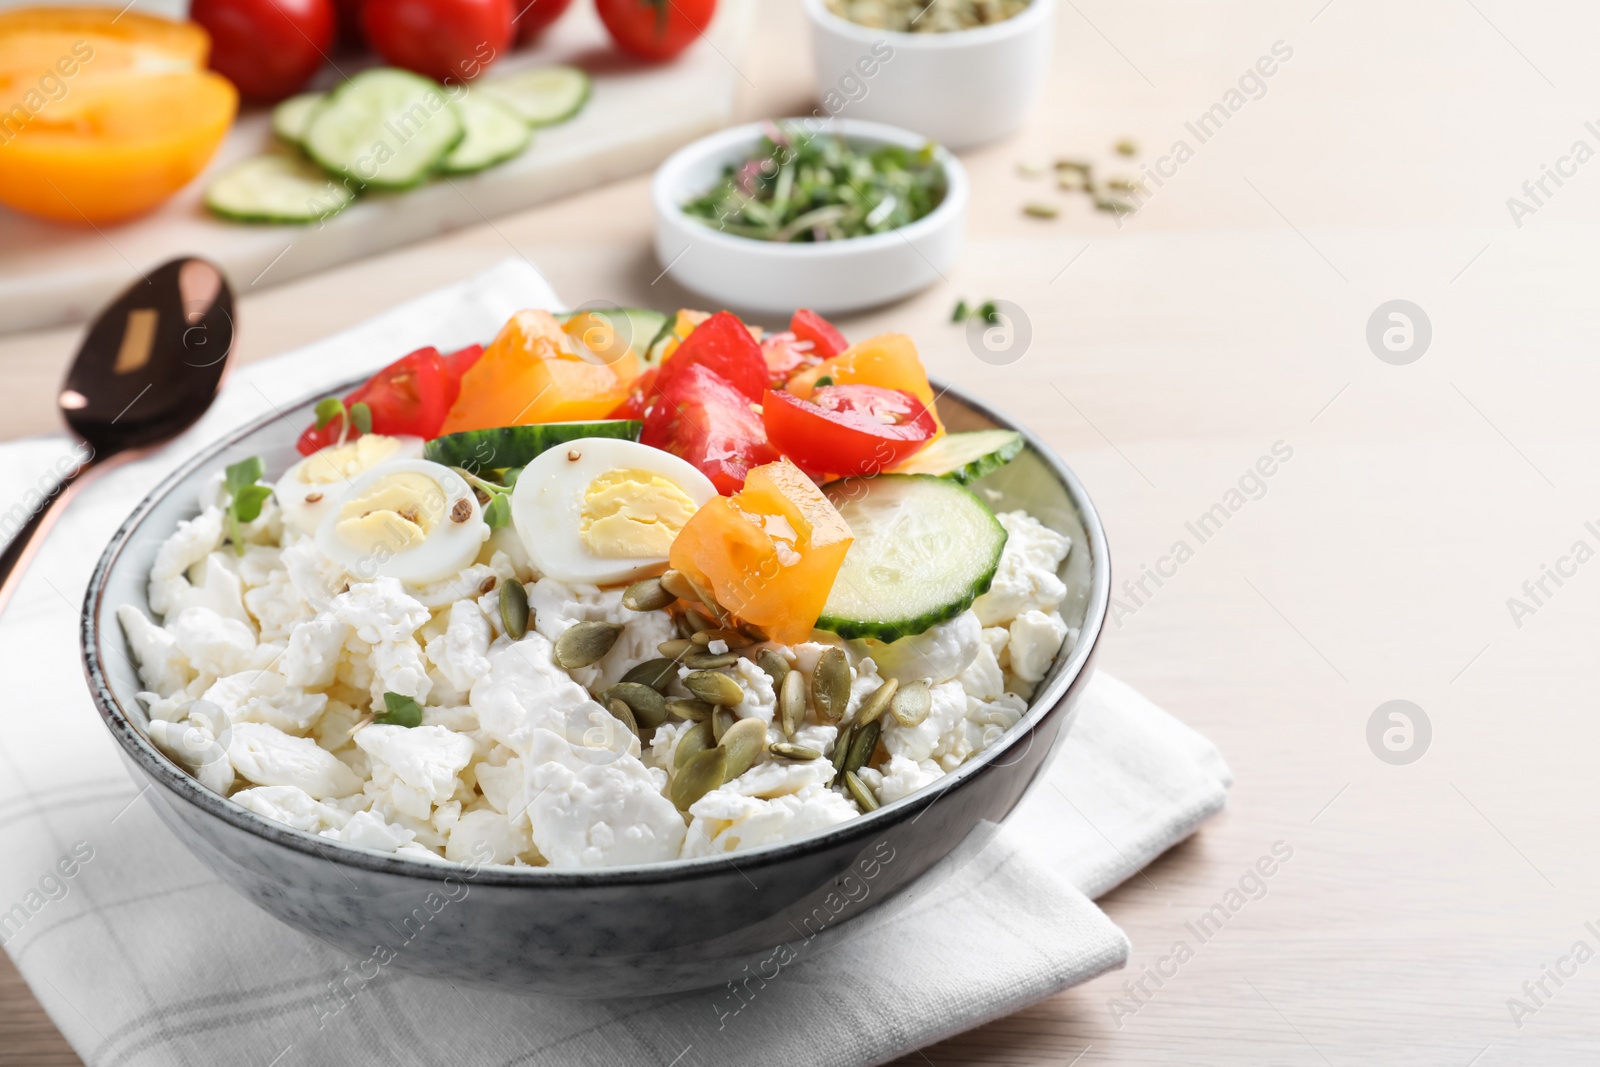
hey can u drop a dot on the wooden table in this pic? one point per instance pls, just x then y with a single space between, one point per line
1168 356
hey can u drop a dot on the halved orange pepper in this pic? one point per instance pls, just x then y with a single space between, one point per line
531 373
769 553
104 114
889 360
600 337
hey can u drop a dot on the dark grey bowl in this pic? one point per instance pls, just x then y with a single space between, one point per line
623 931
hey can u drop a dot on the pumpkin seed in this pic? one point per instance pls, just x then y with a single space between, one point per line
911 705
858 789
863 739
694 741
699 620
693 710
773 662
648 706
830 684
706 661
646 595
792 702
514 614
685 625
754 632
841 746
698 777
714 688
877 703
709 599
677 583
722 721
675 648
585 643
656 673
731 638
619 709
744 741
799 752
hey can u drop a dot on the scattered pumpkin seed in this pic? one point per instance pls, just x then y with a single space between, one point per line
877 703
796 752
656 673
1029 170
648 706
792 702
714 688
773 662
841 746
1071 181
676 648
745 740
694 710
684 624
911 704
731 638
709 599
514 613
863 739
1039 210
676 583
485 586
754 632
708 661
585 643
1127 147
647 595
694 741
1113 205
1124 185
699 620
619 709
698 777
830 684
858 789
722 721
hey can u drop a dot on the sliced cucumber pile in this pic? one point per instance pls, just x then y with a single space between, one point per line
391 129
543 96
291 118
516 446
925 547
965 457
495 133
276 189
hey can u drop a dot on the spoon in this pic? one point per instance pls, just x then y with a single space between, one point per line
148 368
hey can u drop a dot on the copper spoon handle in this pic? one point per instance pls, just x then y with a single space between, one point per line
25 542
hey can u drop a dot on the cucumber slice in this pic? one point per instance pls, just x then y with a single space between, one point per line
385 128
965 457
925 547
495 134
516 446
276 189
543 96
638 326
291 118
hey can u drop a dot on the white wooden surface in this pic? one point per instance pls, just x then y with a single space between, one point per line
1228 315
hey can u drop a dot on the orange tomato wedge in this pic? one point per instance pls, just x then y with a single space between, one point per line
769 553
889 360
531 373
104 115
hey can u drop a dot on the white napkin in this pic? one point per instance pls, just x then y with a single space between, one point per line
140 954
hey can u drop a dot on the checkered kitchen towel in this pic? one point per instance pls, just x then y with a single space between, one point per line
141 956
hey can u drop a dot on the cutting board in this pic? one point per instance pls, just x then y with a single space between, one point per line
53 275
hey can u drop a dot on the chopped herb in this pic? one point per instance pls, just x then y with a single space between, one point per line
826 379
498 511
989 313
245 497
361 416
399 711
801 188
961 312
328 409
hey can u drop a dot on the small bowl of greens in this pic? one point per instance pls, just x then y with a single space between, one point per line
834 215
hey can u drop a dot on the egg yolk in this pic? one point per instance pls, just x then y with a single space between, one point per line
393 513
633 514
339 462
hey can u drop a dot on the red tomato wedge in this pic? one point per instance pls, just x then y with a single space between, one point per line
723 344
410 396
848 429
639 394
461 360
700 417
786 356
826 340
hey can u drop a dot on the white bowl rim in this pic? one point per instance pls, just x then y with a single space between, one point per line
1070 675
1037 11
666 189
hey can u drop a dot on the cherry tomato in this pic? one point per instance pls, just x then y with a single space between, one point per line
655 29
449 41
536 16
410 396
639 394
786 356
461 360
347 13
847 429
826 340
702 418
266 48
723 344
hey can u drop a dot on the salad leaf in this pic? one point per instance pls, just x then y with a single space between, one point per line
399 710
246 497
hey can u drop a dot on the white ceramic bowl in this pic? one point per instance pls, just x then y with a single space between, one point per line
960 89
829 277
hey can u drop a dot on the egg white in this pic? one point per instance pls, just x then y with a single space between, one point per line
448 548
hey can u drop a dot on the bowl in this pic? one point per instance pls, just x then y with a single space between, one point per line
625 931
960 88
830 277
